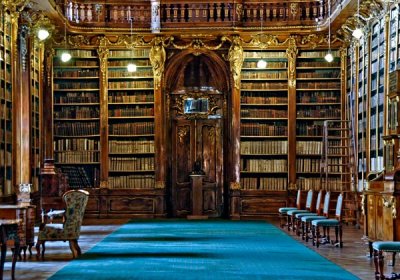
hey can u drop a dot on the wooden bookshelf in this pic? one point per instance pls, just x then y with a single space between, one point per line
6 106
130 120
264 121
76 110
318 98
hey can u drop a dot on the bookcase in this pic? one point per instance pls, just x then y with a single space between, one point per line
130 120
35 120
318 98
6 103
264 122
377 96
394 39
76 110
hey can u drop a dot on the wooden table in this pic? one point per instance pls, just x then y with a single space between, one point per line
9 231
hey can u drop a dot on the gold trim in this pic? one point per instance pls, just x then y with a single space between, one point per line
236 58
234 185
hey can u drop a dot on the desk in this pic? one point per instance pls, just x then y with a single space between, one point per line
26 229
9 231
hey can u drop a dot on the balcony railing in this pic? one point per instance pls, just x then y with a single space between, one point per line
196 14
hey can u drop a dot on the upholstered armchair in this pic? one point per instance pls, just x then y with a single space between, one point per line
75 203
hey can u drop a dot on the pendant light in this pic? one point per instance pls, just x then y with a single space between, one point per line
329 56
131 67
357 33
43 34
65 55
261 64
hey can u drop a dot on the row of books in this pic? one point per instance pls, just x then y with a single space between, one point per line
319 74
126 74
319 112
63 73
263 113
5 158
318 97
336 165
264 85
308 183
253 98
76 144
278 147
5 74
78 53
129 53
131 163
257 54
269 64
76 97
270 184
128 146
76 85
318 63
77 112
265 75
308 165
317 54
263 129
5 111
76 128
131 182
130 84
78 177
131 128
124 96
263 165
132 112
123 63
77 156
309 147
318 85
75 63
305 129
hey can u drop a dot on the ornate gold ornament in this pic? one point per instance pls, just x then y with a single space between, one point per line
182 132
159 185
363 204
292 52
234 185
235 58
314 40
198 44
390 203
157 60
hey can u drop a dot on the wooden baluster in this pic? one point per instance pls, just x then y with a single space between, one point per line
68 11
81 13
268 13
226 9
122 17
174 13
274 13
189 10
219 12
76 13
89 16
211 10
128 13
204 15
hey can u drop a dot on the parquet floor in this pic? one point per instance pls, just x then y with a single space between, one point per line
354 256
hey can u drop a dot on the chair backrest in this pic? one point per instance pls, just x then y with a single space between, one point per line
327 201
309 199
339 207
298 199
75 201
318 203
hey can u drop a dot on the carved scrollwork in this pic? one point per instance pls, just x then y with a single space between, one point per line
182 132
235 58
292 54
363 201
199 44
390 203
157 60
313 39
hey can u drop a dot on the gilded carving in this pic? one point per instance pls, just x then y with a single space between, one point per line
264 41
313 39
198 44
234 185
103 55
24 32
390 203
182 132
294 9
78 40
157 60
159 185
49 62
15 6
292 52
235 58
239 11
363 204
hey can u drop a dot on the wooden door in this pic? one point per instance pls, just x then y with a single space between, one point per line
196 142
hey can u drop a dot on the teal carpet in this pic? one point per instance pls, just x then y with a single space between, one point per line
179 249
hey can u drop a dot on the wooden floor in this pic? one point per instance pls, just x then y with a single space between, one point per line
354 256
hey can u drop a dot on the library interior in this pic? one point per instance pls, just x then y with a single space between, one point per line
217 114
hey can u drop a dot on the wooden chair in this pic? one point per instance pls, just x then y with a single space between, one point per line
379 247
317 209
308 208
326 224
75 201
306 220
283 211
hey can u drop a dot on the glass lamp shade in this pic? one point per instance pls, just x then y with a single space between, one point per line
261 63
43 34
329 57
65 56
131 67
357 33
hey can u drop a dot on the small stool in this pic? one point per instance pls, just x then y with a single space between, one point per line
384 246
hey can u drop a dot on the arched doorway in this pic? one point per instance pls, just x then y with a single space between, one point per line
196 91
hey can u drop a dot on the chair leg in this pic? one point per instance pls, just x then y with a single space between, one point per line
378 261
75 249
38 255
